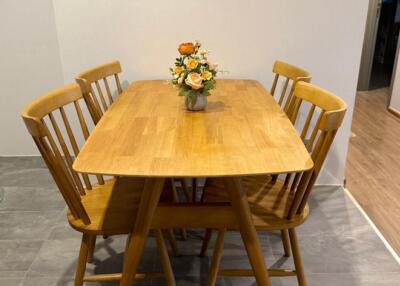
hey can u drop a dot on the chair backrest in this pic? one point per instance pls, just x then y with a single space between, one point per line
292 75
96 102
326 112
56 142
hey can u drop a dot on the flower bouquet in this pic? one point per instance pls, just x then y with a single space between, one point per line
194 75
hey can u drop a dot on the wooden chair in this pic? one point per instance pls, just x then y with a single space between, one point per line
282 205
107 207
96 102
292 75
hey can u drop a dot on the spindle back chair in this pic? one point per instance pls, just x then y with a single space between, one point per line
107 207
98 104
283 205
58 143
96 101
329 111
292 75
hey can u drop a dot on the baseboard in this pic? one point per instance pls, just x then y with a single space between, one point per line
34 161
374 227
394 111
19 156
328 185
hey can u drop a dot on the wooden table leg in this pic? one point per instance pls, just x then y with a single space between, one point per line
249 235
148 203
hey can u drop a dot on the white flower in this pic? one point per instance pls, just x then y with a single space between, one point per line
180 79
203 61
212 66
203 52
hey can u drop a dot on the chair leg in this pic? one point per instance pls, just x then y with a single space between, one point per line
203 193
286 242
172 242
298 262
165 261
185 189
216 260
194 189
183 234
92 246
128 239
206 242
83 257
175 196
176 200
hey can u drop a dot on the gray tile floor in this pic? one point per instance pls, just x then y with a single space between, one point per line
37 247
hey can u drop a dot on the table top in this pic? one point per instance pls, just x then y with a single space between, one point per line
148 132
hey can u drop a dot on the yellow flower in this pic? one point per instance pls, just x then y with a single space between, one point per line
206 75
192 64
179 69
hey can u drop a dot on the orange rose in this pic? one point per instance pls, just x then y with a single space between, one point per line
186 48
194 80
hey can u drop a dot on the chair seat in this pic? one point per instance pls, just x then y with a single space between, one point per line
111 207
269 201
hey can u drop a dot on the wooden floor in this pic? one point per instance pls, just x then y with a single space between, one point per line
373 167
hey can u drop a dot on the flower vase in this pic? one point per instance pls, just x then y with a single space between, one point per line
196 103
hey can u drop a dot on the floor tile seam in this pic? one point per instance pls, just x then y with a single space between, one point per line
29 268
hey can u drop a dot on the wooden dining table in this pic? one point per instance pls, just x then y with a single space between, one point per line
149 133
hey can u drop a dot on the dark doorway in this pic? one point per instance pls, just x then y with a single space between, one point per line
386 44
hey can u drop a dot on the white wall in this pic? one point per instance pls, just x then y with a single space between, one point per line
245 38
29 66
